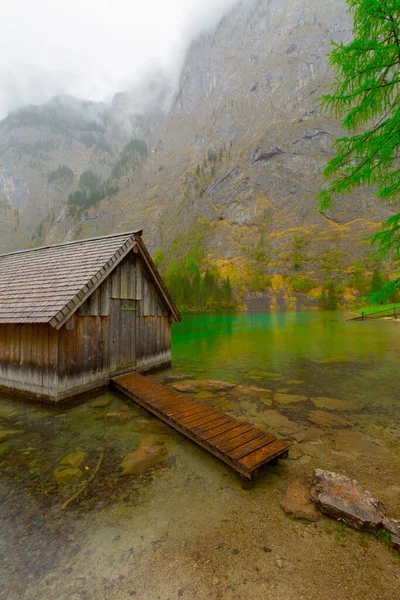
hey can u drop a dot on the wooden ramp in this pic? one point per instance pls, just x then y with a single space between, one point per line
239 444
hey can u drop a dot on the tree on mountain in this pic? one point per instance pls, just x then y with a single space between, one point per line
366 94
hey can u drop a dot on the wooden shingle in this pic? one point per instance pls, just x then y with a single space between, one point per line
44 285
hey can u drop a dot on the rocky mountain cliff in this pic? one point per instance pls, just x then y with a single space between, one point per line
230 172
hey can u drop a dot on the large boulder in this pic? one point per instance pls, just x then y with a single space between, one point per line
343 498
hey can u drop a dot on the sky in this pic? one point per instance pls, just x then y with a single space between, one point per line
94 48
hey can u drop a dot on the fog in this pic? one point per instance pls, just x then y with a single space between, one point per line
92 49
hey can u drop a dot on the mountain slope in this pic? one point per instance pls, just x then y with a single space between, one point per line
233 168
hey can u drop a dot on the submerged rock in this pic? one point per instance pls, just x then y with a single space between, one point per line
140 460
334 404
149 426
203 385
8 412
289 398
311 434
65 475
297 501
325 419
74 459
6 434
275 419
100 402
4 448
343 498
250 392
355 442
119 417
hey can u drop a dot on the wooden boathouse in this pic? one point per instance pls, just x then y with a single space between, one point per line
74 315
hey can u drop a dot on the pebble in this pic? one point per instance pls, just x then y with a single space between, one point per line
279 563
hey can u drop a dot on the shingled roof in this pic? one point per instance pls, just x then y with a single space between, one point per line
47 285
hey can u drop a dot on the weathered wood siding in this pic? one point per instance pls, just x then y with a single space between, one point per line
29 359
83 355
153 327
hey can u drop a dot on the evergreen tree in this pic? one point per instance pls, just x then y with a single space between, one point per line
366 94
332 299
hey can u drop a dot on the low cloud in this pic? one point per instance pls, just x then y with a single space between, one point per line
93 49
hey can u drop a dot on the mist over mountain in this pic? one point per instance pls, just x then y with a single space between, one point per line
225 163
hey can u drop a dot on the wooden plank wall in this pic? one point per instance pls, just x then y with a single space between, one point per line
29 358
83 355
153 327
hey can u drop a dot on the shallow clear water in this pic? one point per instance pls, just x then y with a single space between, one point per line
329 355
187 519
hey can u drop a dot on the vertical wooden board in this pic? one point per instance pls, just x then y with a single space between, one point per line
160 345
116 283
95 303
132 289
87 350
141 336
98 349
106 345
16 344
113 333
3 339
63 375
46 366
139 280
7 353
105 295
79 335
71 343
123 266
39 357
146 296
53 348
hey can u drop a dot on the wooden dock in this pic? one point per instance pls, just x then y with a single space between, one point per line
394 312
242 446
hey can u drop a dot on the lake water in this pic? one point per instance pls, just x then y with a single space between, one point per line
185 528
330 356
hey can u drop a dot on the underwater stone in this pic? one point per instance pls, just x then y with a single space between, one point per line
289 398
65 475
325 419
100 402
149 426
74 459
334 404
6 434
140 460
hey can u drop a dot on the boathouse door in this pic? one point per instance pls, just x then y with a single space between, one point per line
122 335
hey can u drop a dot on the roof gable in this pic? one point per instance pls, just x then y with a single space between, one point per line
45 285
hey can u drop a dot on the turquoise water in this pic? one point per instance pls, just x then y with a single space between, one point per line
329 355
